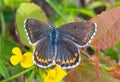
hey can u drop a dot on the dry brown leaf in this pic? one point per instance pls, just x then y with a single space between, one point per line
107 60
114 71
73 78
85 73
108 30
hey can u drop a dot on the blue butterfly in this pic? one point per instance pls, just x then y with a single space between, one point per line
58 45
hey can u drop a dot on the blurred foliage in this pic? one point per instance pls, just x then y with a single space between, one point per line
12 34
3 71
114 50
14 3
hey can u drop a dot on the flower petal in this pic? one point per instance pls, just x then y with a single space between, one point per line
27 60
60 74
15 60
54 75
47 79
16 51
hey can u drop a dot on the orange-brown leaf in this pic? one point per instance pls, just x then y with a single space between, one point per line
85 73
114 71
107 60
71 77
108 33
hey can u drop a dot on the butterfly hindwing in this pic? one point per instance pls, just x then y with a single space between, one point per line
35 29
80 33
44 53
68 55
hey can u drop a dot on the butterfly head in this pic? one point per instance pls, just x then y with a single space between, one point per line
52 25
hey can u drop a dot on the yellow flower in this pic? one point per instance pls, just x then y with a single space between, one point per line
54 75
24 59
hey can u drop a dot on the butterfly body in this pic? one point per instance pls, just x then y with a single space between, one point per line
58 45
53 35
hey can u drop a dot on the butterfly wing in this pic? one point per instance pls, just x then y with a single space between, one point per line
72 37
68 55
39 32
44 52
80 33
35 29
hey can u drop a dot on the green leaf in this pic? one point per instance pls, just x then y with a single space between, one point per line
19 74
2 21
118 45
1 5
24 11
114 51
14 3
95 4
39 76
85 11
8 15
117 3
30 79
3 71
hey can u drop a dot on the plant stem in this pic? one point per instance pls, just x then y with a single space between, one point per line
2 19
2 23
17 75
3 31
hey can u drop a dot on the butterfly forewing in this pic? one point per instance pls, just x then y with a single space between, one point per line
38 32
80 33
36 29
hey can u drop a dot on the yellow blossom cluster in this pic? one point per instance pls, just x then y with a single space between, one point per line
54 75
